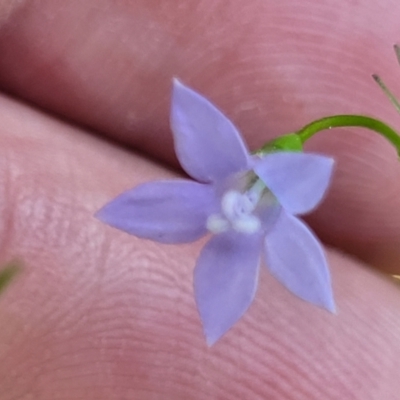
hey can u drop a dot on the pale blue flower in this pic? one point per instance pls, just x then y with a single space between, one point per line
250 205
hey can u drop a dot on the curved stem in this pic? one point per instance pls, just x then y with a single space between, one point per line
361 121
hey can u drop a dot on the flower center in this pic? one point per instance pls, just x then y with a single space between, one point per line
237 211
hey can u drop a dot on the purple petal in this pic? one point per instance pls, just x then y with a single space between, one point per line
207 144
298 180
163 211
225 281
296 258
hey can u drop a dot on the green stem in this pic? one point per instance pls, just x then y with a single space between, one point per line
361 121
387 92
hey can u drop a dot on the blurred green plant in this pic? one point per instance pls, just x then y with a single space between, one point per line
8 273
385 89
395 103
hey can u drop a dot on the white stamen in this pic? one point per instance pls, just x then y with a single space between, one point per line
229 202
217 224
237 211
255 192
247 224
245 205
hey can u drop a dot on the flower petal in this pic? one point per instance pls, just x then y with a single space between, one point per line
207 144
298 180
225 280
296 258
163 211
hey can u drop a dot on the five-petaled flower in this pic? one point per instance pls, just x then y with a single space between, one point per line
250 205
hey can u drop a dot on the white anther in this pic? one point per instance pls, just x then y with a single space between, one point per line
217 224
247 224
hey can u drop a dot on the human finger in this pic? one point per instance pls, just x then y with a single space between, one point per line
98 314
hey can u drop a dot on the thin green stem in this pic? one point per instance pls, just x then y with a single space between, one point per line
387 92
361 121
397 51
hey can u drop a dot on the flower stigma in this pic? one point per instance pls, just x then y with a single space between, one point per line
239 210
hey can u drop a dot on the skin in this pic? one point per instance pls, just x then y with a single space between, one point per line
98 314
